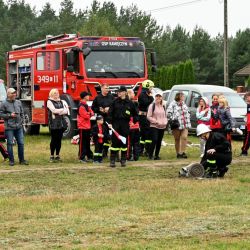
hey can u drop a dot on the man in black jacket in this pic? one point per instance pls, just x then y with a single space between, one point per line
217 155
100 106
120 112
144 100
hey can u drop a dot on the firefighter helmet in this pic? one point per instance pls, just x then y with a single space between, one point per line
202 129
148 84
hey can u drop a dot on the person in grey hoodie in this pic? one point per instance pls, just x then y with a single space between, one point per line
11 111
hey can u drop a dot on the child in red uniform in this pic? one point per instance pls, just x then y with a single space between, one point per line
100 135
134 148
246 142
84 126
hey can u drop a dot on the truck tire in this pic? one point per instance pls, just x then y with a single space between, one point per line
71 126
70 119
28 127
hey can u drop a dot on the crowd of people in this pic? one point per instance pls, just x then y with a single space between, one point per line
129 128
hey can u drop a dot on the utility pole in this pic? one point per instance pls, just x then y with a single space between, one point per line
226 81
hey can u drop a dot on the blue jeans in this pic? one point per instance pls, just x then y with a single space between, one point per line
18 134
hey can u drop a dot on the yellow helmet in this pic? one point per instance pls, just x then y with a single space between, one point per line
148 84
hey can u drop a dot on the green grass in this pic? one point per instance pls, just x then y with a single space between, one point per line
142 206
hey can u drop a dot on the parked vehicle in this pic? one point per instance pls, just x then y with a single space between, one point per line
72 64
166 95
193 92
2 98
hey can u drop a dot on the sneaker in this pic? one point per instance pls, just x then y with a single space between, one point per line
112 164
23 162
179 156
83 161
243 154
150 158
96 162
157 158
123 163
184 155
11 163
58 158
52 159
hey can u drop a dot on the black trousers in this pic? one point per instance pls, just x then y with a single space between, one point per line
246 142
145 140
98 151
134 144
156 135
56 141
84 144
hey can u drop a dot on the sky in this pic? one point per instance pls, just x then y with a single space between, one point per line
208 14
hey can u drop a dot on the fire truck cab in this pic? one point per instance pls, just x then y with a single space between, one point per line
72 64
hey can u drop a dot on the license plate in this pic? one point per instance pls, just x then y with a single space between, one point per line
242 126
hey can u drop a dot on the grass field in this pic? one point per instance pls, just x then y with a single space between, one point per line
143 206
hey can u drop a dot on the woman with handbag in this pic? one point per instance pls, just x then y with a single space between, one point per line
57 108
179 118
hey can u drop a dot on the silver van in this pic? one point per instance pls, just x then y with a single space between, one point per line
193 92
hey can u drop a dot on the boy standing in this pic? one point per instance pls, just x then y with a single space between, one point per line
100 135
246 142
84 126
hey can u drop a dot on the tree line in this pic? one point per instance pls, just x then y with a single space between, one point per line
20 24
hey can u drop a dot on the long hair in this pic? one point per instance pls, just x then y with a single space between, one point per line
223 100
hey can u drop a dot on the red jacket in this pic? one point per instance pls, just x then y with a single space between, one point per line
83 116
248 118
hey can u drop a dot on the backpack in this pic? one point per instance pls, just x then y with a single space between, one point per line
153 108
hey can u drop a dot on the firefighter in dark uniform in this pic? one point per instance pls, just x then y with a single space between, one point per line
144 100
100 106
217 155
120 113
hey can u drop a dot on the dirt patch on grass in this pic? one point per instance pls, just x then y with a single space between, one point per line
105 166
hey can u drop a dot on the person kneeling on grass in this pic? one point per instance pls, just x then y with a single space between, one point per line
217 155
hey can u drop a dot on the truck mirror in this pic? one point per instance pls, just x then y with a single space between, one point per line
153 59
70 58
153 68
86 51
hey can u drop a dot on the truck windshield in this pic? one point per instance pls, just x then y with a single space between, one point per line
234 100
115 64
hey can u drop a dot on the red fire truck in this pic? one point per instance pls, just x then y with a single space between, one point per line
73 64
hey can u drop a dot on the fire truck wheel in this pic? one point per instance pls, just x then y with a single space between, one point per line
28 127
70 131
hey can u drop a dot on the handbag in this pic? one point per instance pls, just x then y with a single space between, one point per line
174 124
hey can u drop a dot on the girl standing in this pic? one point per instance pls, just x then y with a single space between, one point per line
203 115
158 121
